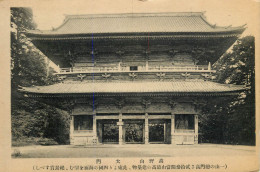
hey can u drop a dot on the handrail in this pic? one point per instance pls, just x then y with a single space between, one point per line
140 68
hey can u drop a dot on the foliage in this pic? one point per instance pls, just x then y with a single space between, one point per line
27 141
28 65
16 153
232 120
31 118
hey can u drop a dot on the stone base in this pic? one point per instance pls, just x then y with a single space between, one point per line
83 140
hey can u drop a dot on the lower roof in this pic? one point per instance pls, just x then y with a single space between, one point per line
133 87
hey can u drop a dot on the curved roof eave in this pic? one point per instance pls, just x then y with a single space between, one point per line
108 24
31 33
180 87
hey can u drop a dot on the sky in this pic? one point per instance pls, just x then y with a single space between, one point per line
50 14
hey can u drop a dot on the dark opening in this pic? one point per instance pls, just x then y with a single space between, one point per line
83 122
108 131
184 121
134 131
156 132
133 68
160 131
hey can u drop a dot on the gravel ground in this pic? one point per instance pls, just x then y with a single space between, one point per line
113 151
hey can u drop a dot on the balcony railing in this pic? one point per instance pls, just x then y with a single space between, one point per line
88 69
139 69
177 68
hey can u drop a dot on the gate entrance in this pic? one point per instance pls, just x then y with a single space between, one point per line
107 131
134 131
159 131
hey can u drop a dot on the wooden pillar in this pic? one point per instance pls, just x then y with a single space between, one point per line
146 129
165 137
196 123
59 69
146 66
172 128
119 65
99 132
120 133
94 125
209 66
71 129
94 141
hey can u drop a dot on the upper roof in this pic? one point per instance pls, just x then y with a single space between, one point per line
176 87
184 22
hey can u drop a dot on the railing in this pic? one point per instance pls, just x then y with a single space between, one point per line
178 68
140 69
88 69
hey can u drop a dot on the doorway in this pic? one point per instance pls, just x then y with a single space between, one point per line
108 131
134 131
159 131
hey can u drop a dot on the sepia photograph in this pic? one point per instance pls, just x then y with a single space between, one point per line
139 83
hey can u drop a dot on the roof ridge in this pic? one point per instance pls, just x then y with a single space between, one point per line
121 15
129 15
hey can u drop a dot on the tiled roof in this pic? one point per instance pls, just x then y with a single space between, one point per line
136 23
134 87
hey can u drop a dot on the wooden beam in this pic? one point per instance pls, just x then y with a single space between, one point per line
159 116
133 117
108 117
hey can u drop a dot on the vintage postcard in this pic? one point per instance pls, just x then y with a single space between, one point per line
134 85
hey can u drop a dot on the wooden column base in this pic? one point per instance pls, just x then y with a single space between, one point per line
196 139
146 141
172 129
71 129
173 140
146 129
196 121
120 131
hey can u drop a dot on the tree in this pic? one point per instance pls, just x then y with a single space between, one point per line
31 118
233 121
28 65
